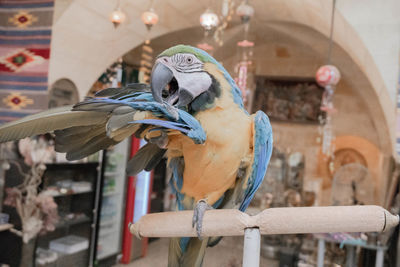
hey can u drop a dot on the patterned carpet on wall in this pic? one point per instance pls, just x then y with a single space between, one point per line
25 35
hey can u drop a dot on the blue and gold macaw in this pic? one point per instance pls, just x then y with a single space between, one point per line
193 114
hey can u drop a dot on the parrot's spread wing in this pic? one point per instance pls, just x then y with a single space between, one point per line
47 121
262 154
99 122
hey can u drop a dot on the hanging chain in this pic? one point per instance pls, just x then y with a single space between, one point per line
331 31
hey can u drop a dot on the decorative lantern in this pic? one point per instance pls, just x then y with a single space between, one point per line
117 17
245 11
209 20
205 47
150 18
327 75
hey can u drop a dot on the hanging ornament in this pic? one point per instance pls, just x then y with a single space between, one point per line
150 18
245 67
227 12
328 77
209 20
117 17
146 62
245 11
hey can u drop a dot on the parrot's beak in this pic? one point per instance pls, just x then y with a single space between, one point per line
166 87
163 84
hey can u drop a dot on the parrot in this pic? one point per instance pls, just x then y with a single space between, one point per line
192 114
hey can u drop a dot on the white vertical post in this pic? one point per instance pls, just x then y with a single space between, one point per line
379 257
251 249
321 253
350 256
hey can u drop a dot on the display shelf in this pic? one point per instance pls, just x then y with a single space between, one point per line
113 173
111 193
68 223
104 249
108 221
59 194
108 232
73 187
6 226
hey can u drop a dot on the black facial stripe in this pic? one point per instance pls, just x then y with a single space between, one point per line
195 64
191 71
207 98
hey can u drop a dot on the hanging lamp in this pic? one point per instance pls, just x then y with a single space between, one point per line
117 16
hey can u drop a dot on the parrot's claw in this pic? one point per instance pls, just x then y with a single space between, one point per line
198 215
173 111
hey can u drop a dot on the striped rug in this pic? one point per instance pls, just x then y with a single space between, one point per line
25 34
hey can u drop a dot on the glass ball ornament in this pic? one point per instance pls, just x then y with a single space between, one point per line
149 18
209 20
327 75
117 17
245 11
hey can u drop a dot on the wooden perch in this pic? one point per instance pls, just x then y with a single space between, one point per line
270 221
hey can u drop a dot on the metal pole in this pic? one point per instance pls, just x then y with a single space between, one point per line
251 249
321 253
379 257
350 258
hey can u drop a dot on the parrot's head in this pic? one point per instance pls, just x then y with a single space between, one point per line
189 78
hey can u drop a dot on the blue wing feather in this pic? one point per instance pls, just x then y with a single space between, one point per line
166 124
262 154
176 119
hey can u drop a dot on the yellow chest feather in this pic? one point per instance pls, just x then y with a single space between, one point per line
211 168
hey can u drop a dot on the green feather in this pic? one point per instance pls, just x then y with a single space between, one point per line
185 49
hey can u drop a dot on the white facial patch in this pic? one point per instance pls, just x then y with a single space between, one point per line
194 82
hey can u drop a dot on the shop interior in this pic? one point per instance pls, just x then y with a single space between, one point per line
336 139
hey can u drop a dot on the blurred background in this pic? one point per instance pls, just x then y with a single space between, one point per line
327 73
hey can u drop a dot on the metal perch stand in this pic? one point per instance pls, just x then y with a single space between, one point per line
269 222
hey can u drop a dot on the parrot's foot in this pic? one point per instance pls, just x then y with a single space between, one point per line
161 141
198 215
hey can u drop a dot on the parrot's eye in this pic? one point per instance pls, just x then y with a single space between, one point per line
189 60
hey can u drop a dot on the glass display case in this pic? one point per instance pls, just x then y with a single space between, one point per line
112 202
73 188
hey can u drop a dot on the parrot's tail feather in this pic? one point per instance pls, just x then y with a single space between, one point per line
145 159
47 121
80 142
192 254
97 143
66 140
